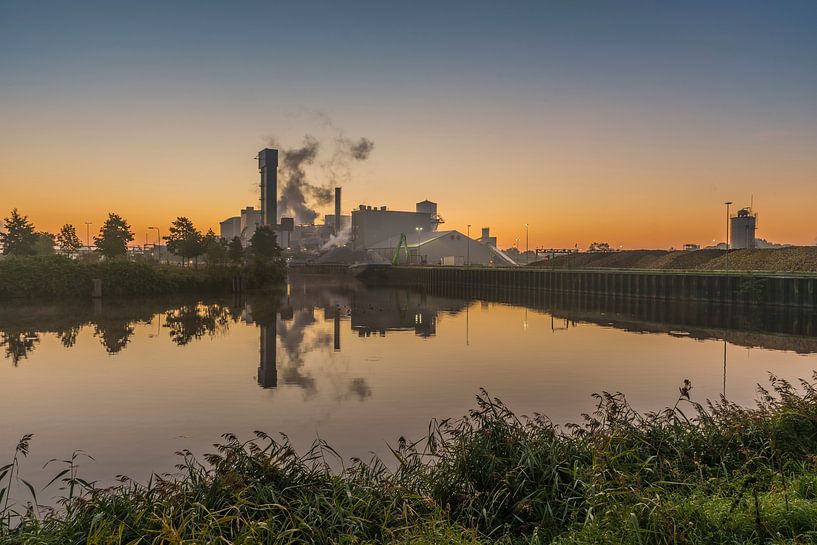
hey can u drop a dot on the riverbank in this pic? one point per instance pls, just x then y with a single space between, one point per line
694 473
61 277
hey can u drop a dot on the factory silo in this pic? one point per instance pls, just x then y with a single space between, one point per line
430 208
743 226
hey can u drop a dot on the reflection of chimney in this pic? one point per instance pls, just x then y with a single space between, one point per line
337 329
268 166
337 210
267 370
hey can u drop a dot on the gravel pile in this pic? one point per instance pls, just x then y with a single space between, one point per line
791 259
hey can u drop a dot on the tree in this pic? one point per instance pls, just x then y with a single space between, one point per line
599 247
113 237
43 243
184 239
67 239
215 249
264 244
19 238
235 250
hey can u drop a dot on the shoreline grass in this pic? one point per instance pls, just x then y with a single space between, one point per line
692 473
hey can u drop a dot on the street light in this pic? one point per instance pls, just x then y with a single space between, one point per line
468 248
158 236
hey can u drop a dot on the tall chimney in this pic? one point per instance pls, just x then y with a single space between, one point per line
268 166
337 210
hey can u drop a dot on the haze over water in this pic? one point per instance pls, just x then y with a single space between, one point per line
131 382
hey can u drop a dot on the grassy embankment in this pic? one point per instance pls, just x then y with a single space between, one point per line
57 276
690 474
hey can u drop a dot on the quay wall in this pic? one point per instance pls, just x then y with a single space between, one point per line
763 288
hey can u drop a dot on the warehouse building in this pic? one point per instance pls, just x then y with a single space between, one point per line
441 248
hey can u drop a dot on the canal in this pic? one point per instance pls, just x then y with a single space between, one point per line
131 382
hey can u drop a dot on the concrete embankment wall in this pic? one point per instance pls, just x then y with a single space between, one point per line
737 287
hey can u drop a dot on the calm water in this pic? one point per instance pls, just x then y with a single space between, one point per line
132 382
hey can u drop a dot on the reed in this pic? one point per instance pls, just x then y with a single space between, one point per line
693 473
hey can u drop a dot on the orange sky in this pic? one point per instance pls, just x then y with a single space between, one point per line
570 192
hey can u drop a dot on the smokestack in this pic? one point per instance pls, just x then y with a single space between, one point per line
337 210
268 166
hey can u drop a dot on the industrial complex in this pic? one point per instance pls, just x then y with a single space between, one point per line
379 234
367 234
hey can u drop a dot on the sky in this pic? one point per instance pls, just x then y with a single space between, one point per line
623 121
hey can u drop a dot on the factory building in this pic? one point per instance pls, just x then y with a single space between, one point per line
743 226
441 248
371 225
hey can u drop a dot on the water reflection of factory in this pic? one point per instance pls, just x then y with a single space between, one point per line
375 312
282 341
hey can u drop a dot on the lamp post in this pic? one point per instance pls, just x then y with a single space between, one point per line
468 248
88 234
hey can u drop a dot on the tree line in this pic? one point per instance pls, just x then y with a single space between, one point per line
20 238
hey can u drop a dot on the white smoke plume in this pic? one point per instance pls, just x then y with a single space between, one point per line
339 240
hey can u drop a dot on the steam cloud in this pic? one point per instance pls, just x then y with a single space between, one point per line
299 195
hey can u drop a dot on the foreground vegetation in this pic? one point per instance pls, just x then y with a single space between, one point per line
714 473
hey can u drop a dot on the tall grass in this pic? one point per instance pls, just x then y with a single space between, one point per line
693 473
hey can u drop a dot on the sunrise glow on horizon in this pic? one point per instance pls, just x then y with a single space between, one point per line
627 123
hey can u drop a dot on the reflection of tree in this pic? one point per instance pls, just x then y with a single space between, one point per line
190 322
114 335
68 336
18 344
